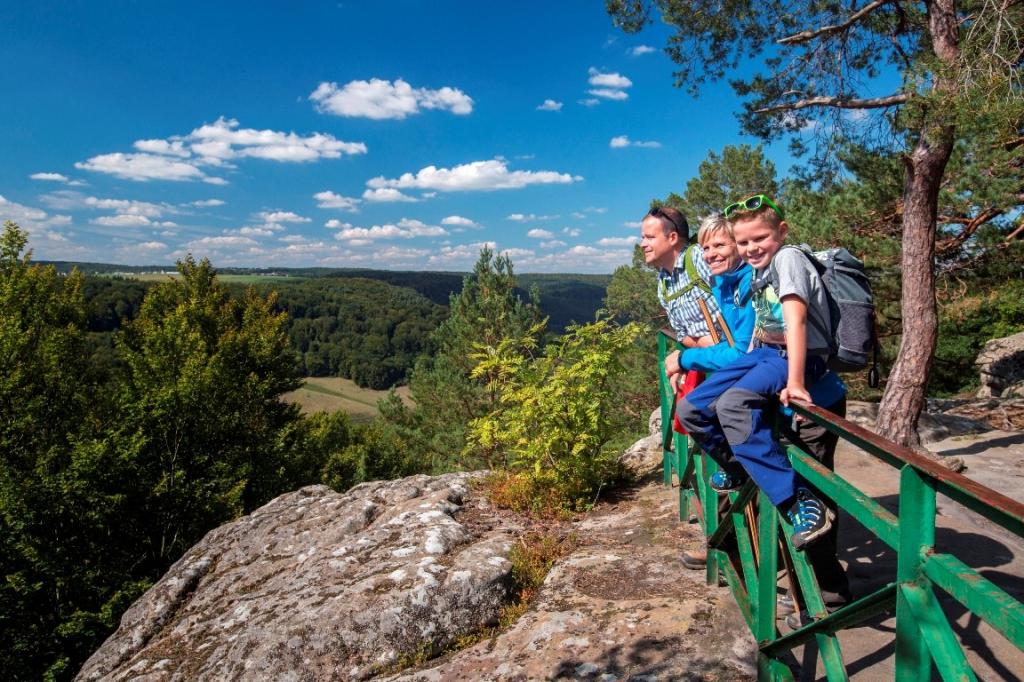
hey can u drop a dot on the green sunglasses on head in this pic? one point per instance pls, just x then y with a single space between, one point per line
752 204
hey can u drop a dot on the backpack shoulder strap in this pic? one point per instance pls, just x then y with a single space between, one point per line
691 270
695 280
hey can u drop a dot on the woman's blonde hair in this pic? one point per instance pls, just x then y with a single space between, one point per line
713 223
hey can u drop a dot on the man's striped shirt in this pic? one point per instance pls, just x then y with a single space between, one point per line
684 312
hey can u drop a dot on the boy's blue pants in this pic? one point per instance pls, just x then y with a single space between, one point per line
732 406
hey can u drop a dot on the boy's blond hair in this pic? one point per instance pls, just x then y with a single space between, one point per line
764 211
713 224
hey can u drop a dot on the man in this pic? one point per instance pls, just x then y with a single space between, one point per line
683 277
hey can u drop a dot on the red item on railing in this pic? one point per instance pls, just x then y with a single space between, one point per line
689 382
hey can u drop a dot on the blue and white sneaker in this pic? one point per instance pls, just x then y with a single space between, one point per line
810 518
723 484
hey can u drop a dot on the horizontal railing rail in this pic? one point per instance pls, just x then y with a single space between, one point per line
747 537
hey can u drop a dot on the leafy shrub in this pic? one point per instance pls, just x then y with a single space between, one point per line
558 414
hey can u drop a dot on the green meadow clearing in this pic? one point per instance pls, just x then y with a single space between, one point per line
330 394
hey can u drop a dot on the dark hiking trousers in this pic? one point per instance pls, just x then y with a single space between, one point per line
820 444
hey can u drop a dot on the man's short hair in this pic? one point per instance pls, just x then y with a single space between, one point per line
672 220
712 224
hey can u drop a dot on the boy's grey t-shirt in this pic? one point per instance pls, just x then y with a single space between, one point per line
795 274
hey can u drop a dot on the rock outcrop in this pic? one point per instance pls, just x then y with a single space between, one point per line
644 456
1001 364
620 607
318 585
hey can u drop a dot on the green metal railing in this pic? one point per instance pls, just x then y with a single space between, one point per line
923 634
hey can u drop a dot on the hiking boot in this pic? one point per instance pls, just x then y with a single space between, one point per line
723 484
695 561
786 605
833 602
810 519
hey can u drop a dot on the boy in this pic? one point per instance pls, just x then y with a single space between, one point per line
792 332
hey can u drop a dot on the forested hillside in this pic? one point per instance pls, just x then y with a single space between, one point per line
365 325
358 329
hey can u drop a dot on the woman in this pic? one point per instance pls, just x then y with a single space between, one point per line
730 284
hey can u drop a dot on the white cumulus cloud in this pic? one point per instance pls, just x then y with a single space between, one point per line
387 194
281 217
622 141
230 240
549 105
608 80
328 199
616 241
539 234
638 50
382 99
475 176
528 217
123 220
142 167
458 221
607 86
215 145
51 177
406 228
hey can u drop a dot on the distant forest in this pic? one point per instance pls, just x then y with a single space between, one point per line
365 325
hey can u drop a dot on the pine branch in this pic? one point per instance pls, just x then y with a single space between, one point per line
805 36
838 103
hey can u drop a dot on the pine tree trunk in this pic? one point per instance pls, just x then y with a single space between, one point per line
905 391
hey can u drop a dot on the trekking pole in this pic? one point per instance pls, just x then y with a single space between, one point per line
726 330
706 312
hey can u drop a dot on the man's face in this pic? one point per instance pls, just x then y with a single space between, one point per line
720 252
660 250
758 240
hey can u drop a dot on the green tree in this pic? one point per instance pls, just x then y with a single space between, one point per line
737 173
447 398
960 69
58 561
632 293
200 406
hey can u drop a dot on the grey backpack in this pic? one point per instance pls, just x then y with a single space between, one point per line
851 307
853 338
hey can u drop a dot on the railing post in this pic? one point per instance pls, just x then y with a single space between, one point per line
666 418
917 536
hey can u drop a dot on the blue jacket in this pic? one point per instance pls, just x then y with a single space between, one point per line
730 288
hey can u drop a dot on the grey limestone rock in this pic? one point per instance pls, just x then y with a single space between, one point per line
644 456
318 585
1001 364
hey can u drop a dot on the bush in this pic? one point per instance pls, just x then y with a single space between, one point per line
559 414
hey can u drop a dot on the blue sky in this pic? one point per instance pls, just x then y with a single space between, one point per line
399 135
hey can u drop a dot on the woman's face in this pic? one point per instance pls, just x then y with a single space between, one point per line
720 252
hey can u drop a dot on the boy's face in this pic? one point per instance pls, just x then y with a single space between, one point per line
660 249
758 240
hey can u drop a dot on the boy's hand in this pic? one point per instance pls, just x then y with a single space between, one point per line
794 391
673 382
672 363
